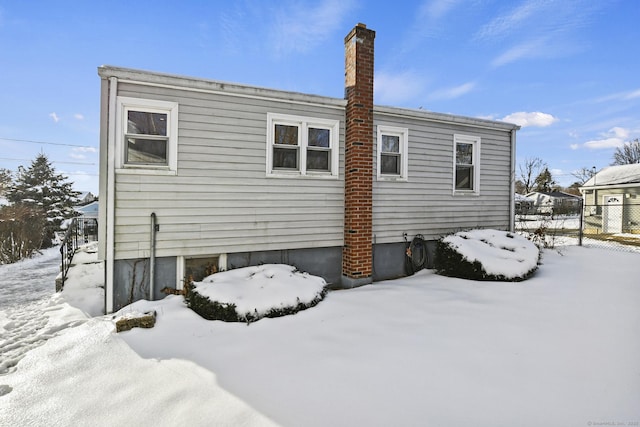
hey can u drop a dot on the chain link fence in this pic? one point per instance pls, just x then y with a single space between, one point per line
614 225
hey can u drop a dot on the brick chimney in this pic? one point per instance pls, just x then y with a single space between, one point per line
358 187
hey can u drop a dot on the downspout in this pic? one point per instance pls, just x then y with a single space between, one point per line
512 190
111 164
152 256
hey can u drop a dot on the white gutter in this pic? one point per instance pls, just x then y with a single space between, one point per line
450 119
170 81
607 186
110 225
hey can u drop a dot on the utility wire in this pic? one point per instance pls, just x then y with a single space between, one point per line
52 161
45 142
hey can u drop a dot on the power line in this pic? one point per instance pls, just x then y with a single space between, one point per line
52 161
45 142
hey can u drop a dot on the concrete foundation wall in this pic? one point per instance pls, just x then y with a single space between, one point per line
323 262
131 278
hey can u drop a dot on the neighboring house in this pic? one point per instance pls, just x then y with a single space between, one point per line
555 202
89 211
523 204
612 200
85 198
199 175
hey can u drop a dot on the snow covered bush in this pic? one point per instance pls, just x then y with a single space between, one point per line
251 293
486 255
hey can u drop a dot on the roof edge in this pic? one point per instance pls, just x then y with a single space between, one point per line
210 85
444 117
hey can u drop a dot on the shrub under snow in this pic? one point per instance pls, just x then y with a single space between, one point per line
486 255
251 293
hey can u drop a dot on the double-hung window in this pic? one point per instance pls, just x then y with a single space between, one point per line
392 157
466 166
147 135
302 146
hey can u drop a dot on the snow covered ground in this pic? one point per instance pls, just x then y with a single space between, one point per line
559 349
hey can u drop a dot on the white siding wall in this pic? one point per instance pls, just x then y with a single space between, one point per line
425 204
220 200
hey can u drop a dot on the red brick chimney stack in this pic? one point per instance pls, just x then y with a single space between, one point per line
358 229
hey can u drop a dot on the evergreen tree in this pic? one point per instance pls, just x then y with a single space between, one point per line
40 187
544 181
6 178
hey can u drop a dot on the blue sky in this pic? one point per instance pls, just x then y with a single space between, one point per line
567 70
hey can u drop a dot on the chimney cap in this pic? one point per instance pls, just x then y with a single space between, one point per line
361 25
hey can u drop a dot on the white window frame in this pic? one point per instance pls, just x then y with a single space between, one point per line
126 104
303 123
475 142
403 134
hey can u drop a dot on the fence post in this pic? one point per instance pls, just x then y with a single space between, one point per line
581 224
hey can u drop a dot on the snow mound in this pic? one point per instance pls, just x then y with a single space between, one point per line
500 253
268 290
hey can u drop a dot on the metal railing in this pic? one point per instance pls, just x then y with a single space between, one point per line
79 232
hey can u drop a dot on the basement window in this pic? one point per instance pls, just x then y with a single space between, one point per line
392 156
466 164
301 146
147 136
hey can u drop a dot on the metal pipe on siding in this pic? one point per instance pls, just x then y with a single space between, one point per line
512 186
109 222
152 256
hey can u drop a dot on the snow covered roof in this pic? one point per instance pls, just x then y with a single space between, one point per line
621 174
556 194
88 211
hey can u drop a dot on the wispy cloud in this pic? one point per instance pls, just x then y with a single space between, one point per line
505 24
429 21
620 96
54 117
436 9
453 92
300 28
392 89
615 137
530 49
530 119
538 29
78 116
85 149
231 27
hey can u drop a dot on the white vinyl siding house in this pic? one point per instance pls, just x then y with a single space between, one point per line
239 175
424 203
220 199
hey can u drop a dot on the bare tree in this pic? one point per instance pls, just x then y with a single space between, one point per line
584 174
529 171
628 154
